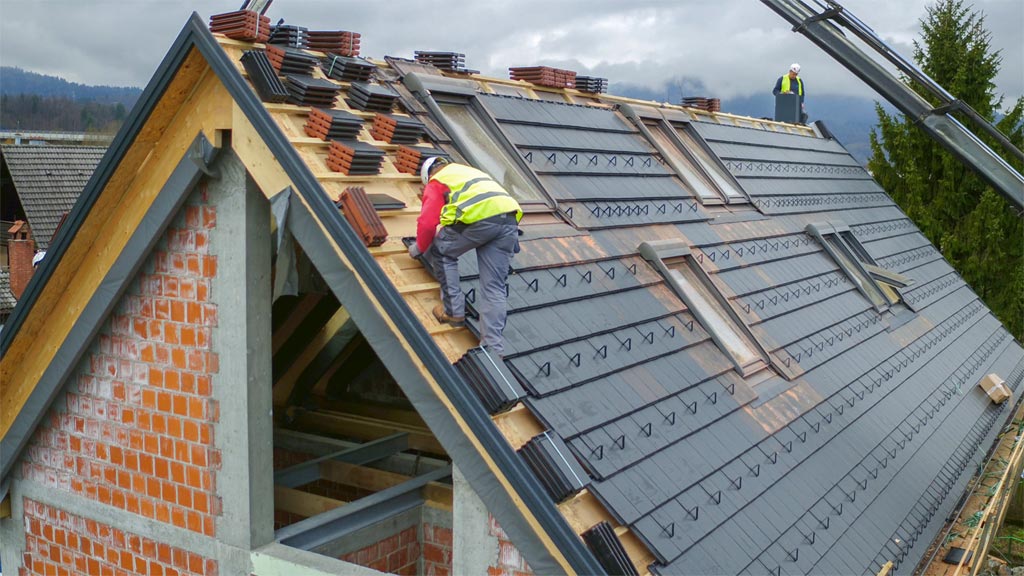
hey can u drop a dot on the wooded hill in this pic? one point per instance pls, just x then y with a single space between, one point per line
30 101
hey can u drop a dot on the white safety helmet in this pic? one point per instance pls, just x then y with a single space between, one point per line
427 165
795 67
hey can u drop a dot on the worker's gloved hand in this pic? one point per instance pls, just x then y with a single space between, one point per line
414 251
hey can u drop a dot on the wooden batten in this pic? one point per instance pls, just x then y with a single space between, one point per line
303 503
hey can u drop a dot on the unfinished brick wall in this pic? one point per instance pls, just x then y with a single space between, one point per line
57 542
510 561
396 554
134 429
437 550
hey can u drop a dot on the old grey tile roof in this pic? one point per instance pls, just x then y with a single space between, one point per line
858 444
7 300
48 180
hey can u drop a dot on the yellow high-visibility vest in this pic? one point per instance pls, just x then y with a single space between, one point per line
473 196
799 84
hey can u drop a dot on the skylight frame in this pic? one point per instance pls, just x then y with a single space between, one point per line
435 92
676 264
880 286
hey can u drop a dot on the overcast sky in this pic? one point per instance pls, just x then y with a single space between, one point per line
730 47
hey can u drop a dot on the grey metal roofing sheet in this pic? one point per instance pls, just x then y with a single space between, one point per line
755 186
567 138
569 187
722 133
752 152
48 181
526 111
715 473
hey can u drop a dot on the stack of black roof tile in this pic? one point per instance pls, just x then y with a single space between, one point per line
291 60
354 158
448 61
309 91
544 76
264 77
409 159
591 84
371 97
288 35
608 550
488 376
554 465
386 202
244 25
332 124
340 42
397 129
346 68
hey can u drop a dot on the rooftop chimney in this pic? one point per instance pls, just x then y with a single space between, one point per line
21 249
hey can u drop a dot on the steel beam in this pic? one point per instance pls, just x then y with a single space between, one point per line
334 524
309 471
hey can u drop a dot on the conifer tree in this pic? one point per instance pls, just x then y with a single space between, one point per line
975 228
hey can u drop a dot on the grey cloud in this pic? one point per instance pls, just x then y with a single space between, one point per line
733 47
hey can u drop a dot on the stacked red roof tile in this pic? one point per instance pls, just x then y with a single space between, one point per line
330 124
396 129
339 42
354 157
544 76
241 25
361 214
702 103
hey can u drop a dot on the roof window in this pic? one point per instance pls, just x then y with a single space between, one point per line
880 286
687 153
676 264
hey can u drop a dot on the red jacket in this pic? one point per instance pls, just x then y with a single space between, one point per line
434 199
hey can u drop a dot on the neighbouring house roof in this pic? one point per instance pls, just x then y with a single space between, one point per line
7 299
48 180
692 321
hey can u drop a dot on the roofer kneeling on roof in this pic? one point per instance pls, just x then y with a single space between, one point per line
474 211
789 83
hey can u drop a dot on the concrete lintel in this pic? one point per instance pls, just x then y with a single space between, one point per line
280 560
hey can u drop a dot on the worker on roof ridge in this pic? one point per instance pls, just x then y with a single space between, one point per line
474 212
784 85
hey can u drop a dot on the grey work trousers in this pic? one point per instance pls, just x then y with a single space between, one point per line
496 240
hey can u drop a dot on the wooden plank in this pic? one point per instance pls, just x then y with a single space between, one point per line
339 177
438 494
583 511
886 569
303 503
306 304
363 428
518 425
415 288
194 102
283 387
5 507
262 165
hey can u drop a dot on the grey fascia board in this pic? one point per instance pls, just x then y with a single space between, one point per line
165 206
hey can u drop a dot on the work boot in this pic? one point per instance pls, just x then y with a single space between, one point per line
444 318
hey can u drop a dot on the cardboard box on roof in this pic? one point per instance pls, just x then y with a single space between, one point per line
995 387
